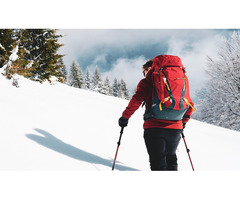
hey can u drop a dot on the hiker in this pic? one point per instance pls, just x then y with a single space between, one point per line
161 136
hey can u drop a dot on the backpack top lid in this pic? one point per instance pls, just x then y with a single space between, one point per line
166 60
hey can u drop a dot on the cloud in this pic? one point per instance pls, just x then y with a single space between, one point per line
81 42
100 58
129 70
122 52
194 57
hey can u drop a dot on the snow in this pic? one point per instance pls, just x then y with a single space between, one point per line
12 58
29 65
1 46
57 138
14 55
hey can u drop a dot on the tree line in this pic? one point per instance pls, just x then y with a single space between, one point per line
33 53
94 82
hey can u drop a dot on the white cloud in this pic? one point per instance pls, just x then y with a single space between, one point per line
129 70
194 57
79 41
100 58
192 46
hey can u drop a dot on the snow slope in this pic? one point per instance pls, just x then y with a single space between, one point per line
57 127
48 127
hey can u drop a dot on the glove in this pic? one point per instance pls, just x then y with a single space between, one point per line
184 124
122 122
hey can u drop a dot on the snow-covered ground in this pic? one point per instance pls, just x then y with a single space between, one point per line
60 130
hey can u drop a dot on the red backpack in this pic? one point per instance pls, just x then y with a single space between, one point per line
171 97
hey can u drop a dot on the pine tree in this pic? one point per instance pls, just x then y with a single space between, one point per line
115 87
88 84
45 51
100 86
63 72
21 65
120 92
7 43
97 81
76 76
107 89
37 55
123 88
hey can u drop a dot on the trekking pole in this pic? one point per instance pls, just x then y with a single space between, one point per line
119 141
188 150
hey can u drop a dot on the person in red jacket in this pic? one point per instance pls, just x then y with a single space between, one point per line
161 136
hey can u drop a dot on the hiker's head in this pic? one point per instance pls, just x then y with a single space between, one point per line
147 66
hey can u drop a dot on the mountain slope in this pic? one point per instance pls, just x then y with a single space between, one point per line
57 127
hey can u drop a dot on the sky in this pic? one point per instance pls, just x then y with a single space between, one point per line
121 53
119 36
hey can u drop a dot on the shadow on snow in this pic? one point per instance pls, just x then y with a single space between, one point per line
59 146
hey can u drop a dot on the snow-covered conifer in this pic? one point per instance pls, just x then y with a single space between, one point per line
124 90
115 87
37 54
88 84
7 44
76 76
107 89
63 72
97 84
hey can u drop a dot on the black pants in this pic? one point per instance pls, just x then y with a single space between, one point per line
161 145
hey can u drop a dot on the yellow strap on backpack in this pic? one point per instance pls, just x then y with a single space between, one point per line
160 105
189 104
165 81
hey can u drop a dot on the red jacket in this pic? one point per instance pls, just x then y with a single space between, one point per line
144 93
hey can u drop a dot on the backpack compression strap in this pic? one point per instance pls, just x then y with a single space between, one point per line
169 92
